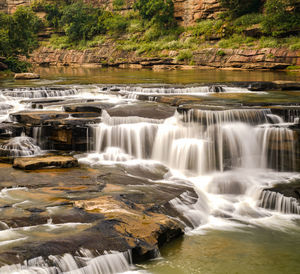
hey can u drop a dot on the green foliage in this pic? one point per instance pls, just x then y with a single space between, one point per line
236 8
18 36
115 24
80 21
268 42
15 65
281 16
236 41
208 28
118 4
248 20
184 55
23 26
159 11
53 15
221 53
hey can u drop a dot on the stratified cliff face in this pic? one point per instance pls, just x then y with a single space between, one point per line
10 6
189 11
186 11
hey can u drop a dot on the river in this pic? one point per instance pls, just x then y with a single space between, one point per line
227 142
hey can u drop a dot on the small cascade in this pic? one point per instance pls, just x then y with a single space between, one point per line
132 92
41 92
292 115
20 146
37 135
112 121
82 262
189 154
135 136
236 147
194 210
278 147
274 119
209 117
277 201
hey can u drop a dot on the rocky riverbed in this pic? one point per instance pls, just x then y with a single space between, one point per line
118 168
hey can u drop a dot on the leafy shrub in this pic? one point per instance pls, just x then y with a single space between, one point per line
184 55
118 4
281 16
159 11
115 24
80 21
18 36
248 20
235 41
268 42
238 8
207 28
15 65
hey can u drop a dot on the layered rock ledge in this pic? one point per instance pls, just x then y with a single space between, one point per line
204 58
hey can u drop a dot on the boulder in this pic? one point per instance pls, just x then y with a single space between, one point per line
26 76
31 163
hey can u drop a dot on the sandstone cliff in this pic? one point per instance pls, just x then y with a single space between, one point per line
208 58
186 11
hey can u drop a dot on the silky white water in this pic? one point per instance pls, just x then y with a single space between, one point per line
228 156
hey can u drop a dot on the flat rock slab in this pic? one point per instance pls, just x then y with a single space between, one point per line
26 76
31 163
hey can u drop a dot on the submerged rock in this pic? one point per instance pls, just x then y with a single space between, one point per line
30 163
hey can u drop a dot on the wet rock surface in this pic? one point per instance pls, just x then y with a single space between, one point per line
110 209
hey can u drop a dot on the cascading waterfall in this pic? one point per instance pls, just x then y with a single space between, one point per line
208 117
134 135
203 144
278 202
83 262
132 92
42 92
278 147
20 146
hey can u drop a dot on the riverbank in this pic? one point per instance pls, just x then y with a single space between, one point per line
210 58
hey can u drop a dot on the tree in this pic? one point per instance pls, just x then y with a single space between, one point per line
237 8
160 11
281 16
81 21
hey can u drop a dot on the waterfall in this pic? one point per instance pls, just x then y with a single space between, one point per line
82 262
20 146
42 92
278 147
134 135
209 117
277 201
168 90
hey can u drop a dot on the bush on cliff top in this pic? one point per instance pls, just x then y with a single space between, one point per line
236 8
158 11
18 36
281 17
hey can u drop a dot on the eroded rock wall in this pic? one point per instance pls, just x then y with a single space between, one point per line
187 12
211 58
